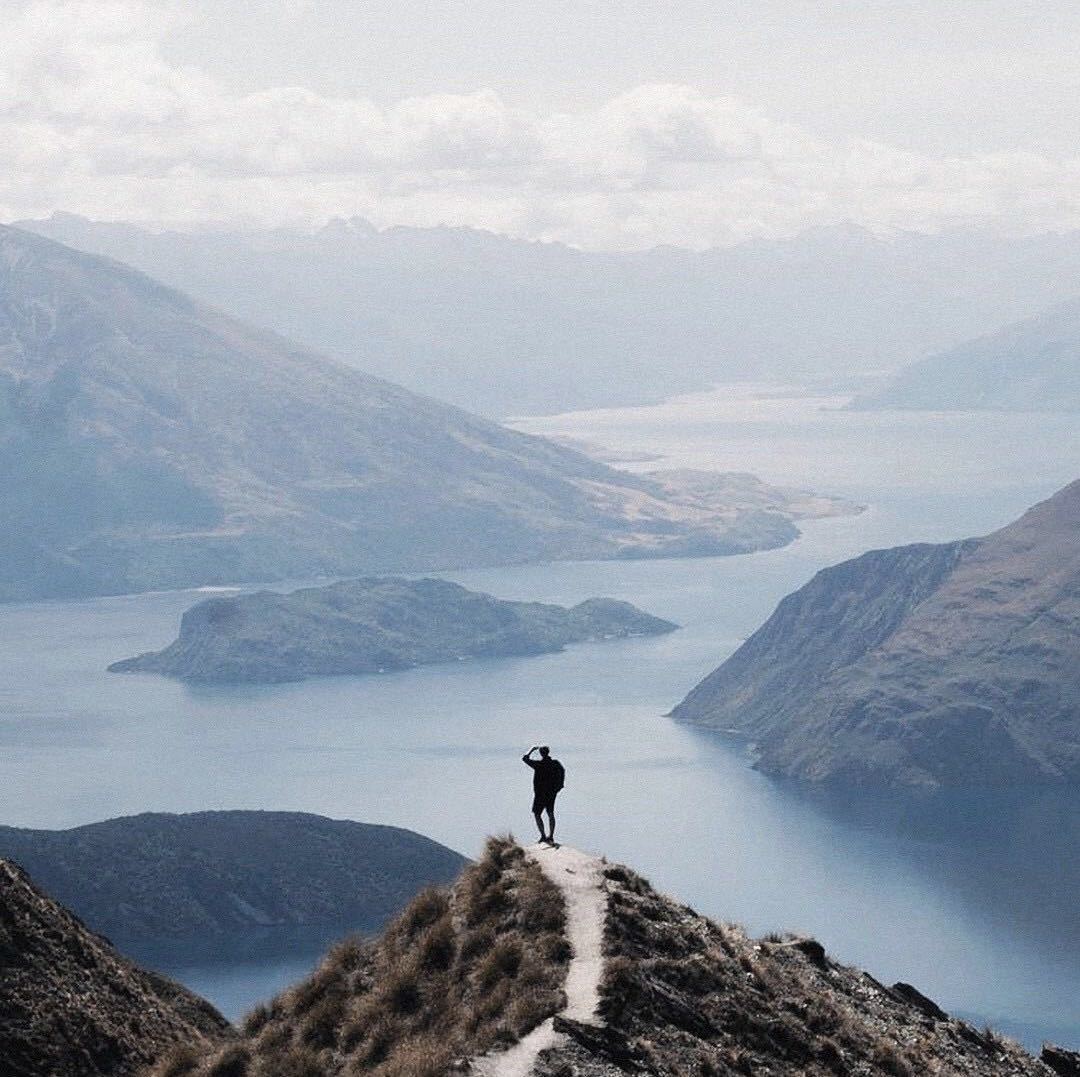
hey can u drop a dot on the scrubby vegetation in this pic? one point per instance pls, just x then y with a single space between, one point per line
71 1006
685 997
460 971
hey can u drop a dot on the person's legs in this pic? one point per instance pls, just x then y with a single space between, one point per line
539 820
551 821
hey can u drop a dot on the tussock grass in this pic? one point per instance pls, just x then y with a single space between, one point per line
459 971
682 995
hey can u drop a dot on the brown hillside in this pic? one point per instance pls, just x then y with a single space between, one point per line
459 971
71 1006
472 969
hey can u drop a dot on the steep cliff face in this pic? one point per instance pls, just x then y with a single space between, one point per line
923 665
148 441
71 1005
372 625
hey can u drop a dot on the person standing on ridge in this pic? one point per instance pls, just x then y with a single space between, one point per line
548 778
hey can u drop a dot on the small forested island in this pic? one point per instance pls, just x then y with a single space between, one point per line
374 625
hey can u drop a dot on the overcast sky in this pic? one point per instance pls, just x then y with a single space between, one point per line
603 125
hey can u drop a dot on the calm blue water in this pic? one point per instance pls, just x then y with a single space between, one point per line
973 903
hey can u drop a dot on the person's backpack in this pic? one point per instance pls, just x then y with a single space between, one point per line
560 774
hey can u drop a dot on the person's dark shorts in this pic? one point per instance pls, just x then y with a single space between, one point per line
544 802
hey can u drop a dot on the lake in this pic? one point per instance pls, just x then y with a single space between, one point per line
970 899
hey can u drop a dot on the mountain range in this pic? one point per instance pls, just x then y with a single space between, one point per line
374 625
925 665
148 441
509 327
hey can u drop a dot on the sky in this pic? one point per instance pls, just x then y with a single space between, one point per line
612 126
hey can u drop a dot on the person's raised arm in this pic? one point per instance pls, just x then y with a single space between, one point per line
527 757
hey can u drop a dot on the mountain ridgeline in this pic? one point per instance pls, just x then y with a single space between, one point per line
464 974
510 327
147 442
924 666
372 626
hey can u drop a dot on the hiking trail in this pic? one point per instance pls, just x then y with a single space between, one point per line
580 878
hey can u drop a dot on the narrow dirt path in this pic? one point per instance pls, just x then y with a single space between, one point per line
580 878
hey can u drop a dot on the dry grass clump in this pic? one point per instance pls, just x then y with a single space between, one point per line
459 971
682 995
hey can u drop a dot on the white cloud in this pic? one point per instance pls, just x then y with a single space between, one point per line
95 119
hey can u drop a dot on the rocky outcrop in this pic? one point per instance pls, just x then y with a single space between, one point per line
1062 1062
919 666
147 441
371 626
210 879
71 1005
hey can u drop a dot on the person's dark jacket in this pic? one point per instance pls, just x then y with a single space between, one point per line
548 775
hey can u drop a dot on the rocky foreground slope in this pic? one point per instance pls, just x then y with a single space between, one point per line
371 626
148 441
212 879
71 1006
460 971
923 665
465 973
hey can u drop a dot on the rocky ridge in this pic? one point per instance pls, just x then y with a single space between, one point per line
672 994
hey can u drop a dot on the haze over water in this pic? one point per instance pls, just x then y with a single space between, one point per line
933 894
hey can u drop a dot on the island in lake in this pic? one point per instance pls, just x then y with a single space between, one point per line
374 625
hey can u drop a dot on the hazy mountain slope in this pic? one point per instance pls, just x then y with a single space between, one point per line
371 625
147 441
508 327
70 1005
922 665
679 996
1032 365
213 876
